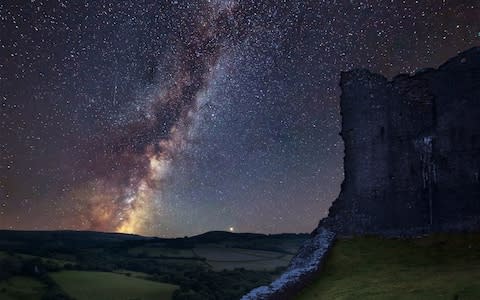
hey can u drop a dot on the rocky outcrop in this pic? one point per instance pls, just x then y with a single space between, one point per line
304 265
412 151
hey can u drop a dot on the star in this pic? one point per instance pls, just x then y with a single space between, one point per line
172 118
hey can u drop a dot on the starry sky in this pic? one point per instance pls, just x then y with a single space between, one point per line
173 118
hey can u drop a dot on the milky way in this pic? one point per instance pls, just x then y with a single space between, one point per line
177 117
153 141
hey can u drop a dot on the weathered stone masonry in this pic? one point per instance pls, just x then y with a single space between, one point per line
412 151
412 162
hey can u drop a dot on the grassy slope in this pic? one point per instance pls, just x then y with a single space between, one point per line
103 286
220 258
436 267
21 288
159 252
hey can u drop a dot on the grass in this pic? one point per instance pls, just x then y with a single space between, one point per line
220 258
259 253
140 275
21 288
83 285
260 265
160 252
436 267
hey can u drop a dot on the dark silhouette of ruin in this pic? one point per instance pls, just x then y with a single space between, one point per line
412 151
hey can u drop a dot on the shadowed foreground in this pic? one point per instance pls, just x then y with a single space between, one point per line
434 267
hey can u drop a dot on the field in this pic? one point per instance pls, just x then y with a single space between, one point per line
56 265
220 258
21 288
156 251
83 285
437 267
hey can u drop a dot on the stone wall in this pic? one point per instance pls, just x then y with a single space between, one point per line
302 269
412 151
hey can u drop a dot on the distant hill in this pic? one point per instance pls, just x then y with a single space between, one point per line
31 241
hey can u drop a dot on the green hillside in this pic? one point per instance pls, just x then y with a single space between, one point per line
103 285
21 288
434 267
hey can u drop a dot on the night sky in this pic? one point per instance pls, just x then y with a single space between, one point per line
173 118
